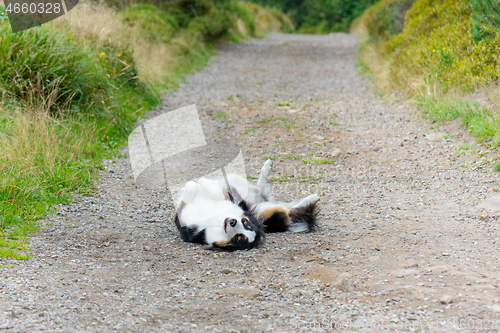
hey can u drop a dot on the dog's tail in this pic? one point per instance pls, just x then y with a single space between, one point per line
304 215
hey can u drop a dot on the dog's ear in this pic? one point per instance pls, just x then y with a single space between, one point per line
212 248
244 205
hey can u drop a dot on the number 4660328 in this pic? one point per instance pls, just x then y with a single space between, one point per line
33 8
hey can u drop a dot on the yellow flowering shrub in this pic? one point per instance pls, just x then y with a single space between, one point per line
436 45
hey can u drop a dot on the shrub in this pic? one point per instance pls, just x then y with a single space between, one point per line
52 67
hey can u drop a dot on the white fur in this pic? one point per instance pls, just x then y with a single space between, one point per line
206 209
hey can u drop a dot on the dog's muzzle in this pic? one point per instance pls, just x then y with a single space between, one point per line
229 221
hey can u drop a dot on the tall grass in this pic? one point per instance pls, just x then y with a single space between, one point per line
43 161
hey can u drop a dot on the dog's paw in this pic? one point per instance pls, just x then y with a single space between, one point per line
212 190
190 190
266 168
309 200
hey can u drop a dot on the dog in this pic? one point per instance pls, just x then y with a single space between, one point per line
233 214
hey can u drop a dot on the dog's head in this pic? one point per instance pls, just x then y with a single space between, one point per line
244 232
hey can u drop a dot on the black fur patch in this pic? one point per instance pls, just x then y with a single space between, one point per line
308 214
276 223
244 205
190 235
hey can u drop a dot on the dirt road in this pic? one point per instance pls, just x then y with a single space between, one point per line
401 245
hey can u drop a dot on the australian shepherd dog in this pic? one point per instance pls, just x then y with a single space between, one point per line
233 214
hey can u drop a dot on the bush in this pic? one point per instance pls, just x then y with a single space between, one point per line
320 16
51 67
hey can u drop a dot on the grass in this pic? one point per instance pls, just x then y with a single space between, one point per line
479 120
319 161
283 178
425 49
249 130
219 115
268 120
43 162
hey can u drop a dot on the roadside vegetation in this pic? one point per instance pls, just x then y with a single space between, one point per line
444 54
319 16
72 89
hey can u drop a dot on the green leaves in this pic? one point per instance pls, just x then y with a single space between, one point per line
486 18
3 14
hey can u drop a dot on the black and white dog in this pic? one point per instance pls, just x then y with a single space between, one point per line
235 216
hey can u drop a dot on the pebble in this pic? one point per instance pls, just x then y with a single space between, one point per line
446 299
491 203
335 152
244 291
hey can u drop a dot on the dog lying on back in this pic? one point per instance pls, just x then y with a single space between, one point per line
236 215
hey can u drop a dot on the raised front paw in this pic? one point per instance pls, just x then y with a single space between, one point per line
212 189
190 190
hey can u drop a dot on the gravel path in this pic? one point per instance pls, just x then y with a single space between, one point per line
401 247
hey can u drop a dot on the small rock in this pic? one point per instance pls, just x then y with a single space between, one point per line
495 308
482 217
337 281
435 137
346 285
248 291
492 203
336 152
226 271
296 293
446 299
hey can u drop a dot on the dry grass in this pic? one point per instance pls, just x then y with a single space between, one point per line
266 19
92 20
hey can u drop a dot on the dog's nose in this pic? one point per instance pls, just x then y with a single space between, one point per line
232 222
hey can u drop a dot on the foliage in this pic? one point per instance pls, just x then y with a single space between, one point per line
435 58
435 47
486 17
53 68
320 16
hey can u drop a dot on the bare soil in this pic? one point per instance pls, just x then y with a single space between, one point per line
401 245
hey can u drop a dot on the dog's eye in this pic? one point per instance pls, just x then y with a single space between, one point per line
239 238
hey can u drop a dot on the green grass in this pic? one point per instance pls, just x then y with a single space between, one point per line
283 178
320 161
290 126
336 124
268 120
479 120
249 130
220 115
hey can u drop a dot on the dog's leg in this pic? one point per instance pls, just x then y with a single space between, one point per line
309 200
190 190
265 190
212 190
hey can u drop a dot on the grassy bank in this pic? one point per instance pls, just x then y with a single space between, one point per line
426 49
72 89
